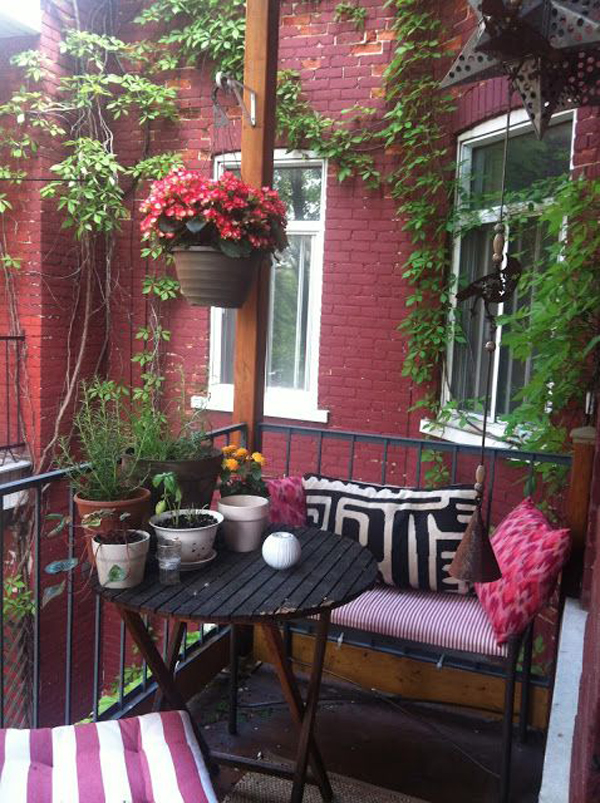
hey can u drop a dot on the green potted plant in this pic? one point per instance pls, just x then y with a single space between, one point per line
175 442
93 457
244 499
217 230
195 528
119 552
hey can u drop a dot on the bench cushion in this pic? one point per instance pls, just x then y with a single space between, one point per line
413 533
154 758
447 621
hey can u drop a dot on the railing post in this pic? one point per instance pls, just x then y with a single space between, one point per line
578 504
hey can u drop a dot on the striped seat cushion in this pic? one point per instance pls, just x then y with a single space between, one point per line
154 758
448 621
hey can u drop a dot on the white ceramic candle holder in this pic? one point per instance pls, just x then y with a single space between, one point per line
281 550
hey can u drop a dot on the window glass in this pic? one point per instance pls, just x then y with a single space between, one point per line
300 190
287 366
292 338
529 162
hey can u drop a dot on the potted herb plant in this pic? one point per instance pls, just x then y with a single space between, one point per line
196 528
187 452
218 230
101 434
244 499
119 552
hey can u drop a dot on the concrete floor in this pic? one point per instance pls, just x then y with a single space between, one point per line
438 755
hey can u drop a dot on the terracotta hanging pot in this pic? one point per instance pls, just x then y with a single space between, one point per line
208 278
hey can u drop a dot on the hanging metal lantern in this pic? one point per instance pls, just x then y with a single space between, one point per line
549 50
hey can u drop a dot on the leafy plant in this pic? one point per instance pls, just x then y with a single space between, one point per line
171 500
102 436
351 12
348 143
18 598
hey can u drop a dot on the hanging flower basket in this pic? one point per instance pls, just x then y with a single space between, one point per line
217 230
209 278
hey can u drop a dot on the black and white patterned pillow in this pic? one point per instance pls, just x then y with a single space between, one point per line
412 533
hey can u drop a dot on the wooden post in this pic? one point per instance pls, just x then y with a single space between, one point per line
260 74
578 504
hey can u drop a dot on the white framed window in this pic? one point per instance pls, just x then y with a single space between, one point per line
480 156
292 364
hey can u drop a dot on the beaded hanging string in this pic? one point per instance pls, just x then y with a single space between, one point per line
475 560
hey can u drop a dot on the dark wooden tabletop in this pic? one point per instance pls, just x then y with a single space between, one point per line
240 587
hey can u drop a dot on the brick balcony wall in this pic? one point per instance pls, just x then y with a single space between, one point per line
361 350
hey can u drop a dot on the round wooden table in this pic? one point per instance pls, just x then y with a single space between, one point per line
239 588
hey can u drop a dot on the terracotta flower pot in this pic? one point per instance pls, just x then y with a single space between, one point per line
208 278
138 507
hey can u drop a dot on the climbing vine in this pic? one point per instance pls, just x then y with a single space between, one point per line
115 79
422 183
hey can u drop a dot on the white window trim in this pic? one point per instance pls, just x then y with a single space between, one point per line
280 402
454 430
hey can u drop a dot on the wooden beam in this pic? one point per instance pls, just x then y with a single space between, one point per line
578 505
410 678
258 142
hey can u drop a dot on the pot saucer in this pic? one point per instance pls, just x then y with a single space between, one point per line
197 564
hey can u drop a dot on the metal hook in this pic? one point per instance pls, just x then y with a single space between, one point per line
229 84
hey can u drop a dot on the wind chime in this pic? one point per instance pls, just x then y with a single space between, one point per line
549 51
475 560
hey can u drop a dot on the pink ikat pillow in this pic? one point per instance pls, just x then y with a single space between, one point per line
287 501
531 555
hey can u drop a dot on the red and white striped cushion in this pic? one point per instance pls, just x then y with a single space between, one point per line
154 758
448 621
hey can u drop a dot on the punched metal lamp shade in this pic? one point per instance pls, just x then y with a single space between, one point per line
549 49
475 561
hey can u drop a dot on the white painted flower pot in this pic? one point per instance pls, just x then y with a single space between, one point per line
197 543
281 550
129 558
245 519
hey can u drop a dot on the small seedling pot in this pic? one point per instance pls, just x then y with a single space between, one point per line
121 565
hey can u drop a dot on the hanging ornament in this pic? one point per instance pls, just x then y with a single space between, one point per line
475 561
549 50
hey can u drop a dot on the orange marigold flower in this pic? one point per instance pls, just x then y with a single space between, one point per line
258 458
241 453
229 449
231 464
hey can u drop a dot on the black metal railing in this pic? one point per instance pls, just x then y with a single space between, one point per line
67 657
314 447
11 432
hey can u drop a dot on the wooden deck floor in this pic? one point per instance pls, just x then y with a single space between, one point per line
435 754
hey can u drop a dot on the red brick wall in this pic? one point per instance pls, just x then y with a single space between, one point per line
361 350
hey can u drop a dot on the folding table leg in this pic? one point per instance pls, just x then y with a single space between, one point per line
306 743
140 635
233 680
172 656
303 716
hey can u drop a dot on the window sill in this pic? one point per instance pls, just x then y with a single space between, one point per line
294 412
454 432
